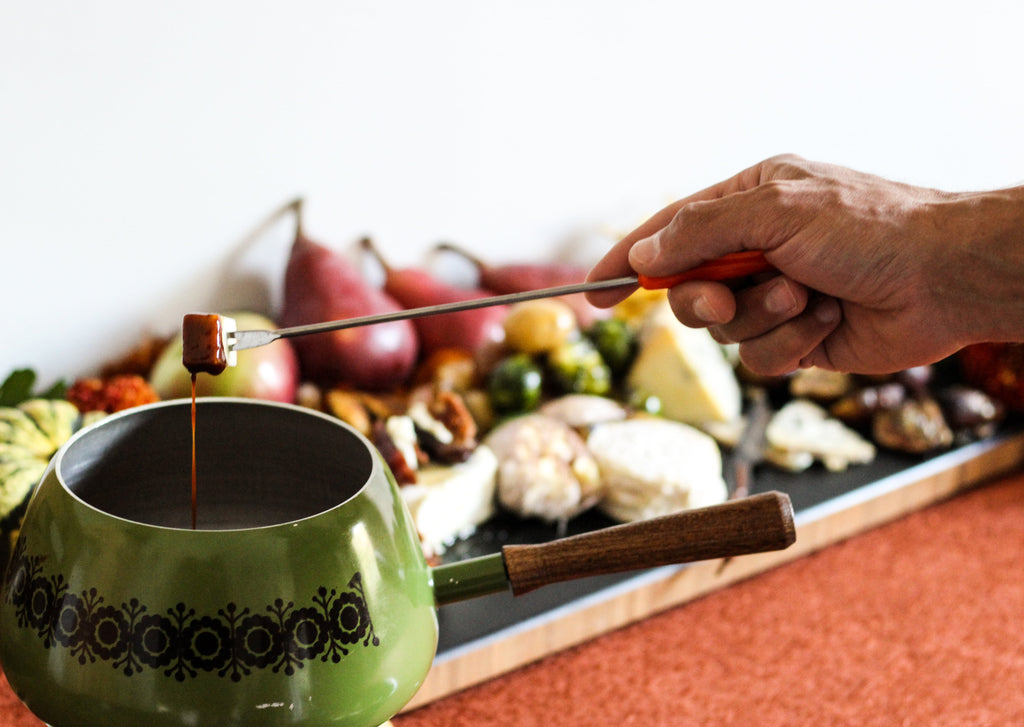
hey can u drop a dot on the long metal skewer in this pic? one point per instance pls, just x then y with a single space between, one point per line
241 340
727 267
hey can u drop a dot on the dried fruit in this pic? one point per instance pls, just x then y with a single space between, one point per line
997 369
139 360
116 393
916 426
402 466
449 368
348 406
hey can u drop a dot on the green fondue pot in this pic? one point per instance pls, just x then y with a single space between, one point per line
302 597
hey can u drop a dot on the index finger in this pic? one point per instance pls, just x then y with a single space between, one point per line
615 263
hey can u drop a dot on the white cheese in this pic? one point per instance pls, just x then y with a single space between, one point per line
652 467
402 431
801 426
447 503
686 370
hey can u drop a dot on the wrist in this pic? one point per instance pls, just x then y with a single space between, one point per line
981 282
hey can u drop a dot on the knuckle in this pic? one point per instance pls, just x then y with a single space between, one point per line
765 362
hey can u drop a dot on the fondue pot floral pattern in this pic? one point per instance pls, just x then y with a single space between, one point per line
232 642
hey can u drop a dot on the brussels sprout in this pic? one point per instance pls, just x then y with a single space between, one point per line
515 384
577 368
616 341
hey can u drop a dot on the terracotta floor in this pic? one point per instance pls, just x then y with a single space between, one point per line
920 622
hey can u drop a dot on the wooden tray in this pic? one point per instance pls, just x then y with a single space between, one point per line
486 637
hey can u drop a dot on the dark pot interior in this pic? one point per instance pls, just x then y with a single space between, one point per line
256 465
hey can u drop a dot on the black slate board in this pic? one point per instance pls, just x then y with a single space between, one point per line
468 622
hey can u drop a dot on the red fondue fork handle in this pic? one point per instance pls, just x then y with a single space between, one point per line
728 267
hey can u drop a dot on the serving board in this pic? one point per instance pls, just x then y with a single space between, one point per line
485 637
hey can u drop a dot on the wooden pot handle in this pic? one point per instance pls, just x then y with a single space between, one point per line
753 524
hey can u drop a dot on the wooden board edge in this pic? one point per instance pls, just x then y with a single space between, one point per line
817 527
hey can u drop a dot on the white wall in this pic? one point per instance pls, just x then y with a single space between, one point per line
142 143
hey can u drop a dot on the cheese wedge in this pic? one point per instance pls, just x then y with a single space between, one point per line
447 503
686 370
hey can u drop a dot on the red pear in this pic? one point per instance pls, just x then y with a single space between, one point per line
521 277
320 285
473 330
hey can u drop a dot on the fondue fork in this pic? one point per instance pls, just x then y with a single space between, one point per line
728 267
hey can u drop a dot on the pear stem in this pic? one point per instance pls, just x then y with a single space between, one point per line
479 264
292 207
367 245
296 207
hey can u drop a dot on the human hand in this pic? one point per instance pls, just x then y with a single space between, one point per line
870 272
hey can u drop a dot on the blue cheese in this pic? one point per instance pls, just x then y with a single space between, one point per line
802 429
686 370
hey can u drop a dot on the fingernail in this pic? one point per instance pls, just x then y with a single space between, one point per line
827 310
703 309
780 298
646 250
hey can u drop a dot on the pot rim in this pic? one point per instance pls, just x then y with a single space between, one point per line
54 466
